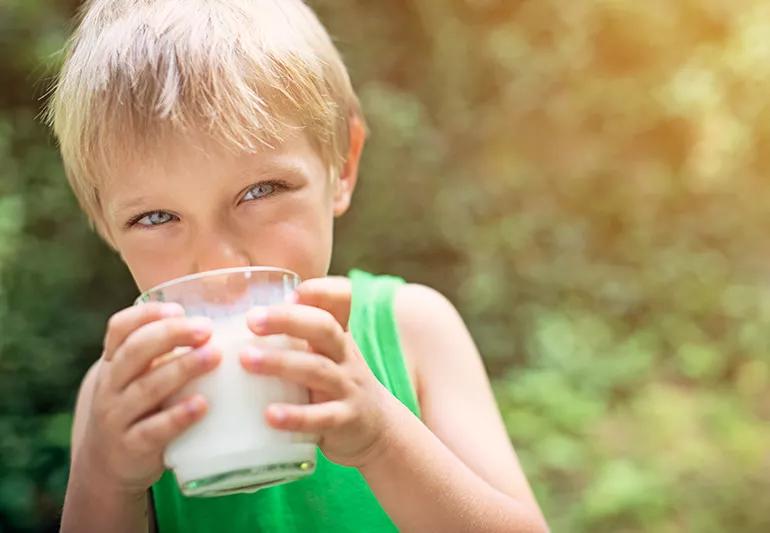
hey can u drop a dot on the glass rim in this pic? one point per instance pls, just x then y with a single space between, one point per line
212 273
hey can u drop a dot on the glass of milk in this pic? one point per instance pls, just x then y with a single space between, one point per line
232 449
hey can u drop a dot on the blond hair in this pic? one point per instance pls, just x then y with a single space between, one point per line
242 71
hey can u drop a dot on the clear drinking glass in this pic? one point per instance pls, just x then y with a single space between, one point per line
232 449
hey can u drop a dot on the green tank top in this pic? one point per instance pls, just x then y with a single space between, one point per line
334 498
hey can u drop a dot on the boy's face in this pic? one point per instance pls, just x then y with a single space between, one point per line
203 208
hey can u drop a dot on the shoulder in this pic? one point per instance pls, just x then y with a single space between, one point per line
415 306
432 333
421 309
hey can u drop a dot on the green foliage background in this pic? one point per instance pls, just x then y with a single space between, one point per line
586 180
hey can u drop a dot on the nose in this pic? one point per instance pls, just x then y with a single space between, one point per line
218 248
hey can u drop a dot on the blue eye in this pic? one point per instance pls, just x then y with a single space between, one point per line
152 218
260 190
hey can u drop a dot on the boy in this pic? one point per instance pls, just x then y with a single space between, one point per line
200 135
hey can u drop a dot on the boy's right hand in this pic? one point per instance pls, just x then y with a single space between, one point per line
127 428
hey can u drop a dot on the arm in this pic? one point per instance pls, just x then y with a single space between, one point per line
458 473
86 490
458 466
122 425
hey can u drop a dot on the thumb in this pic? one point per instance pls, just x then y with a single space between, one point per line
332 294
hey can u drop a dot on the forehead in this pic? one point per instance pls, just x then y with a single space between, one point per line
195 159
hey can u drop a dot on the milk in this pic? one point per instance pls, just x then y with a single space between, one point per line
232 449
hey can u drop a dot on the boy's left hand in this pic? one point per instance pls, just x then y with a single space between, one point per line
347 402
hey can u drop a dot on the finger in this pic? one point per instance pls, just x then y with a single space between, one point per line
155 432
154 340
124 322
314 418
310 370
149 391
332 294
316 326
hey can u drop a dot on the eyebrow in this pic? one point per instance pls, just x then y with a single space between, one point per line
130 204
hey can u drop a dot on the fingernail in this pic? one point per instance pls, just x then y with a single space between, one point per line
200 326
194 405
257 317
206 356
253 356
293 298
279 414
171 309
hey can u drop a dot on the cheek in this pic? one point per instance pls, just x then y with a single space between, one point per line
152 265
300 239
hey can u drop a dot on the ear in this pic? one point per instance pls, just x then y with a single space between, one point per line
349 173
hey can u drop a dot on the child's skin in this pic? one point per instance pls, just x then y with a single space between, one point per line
454 470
